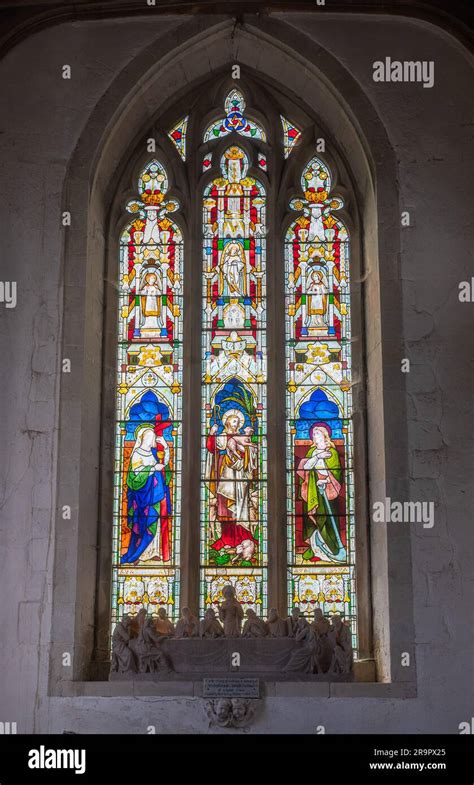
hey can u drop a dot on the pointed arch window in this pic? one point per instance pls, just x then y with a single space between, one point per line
147 471
321 547
242 172
233 514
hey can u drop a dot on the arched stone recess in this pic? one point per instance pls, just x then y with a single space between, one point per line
100 176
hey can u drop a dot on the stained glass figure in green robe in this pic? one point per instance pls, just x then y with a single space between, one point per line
321 476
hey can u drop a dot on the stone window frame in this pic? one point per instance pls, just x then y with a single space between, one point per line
91 193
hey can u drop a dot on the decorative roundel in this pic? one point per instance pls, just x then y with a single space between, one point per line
234 121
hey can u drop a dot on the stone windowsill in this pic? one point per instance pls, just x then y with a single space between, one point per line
363 686
271 689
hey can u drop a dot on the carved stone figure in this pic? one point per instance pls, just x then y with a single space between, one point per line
210 626
231 613
163 625
230 712
187 626
253 626
326 647
136 646
296 623
153 659
137 623
322 647
277 627
320 624
146 646
302 658
292 621
219 712
242 712
122 655
322 655
341 642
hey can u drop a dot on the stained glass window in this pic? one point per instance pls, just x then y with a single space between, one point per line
147 471
234 120
319 402
178 136
291 135
207 162
233 455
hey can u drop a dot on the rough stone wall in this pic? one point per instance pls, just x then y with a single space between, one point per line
430 129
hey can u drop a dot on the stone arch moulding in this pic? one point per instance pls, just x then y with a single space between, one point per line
163 73
453 21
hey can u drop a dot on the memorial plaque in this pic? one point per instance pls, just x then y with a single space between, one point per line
231 688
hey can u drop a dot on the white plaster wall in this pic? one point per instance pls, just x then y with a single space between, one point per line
431 132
